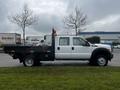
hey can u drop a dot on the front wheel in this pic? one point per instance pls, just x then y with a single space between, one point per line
28 61
101 60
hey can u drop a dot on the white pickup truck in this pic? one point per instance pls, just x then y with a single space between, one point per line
62 48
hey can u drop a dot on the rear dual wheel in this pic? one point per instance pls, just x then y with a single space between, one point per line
30 62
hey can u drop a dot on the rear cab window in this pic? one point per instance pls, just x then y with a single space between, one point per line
64 41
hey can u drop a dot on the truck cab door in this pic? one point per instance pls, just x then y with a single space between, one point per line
62 48
80 48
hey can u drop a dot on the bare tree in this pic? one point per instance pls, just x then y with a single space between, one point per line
24 19
75 20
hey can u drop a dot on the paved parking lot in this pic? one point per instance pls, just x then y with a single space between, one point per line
7 61
116 60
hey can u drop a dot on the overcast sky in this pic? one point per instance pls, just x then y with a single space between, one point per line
103 15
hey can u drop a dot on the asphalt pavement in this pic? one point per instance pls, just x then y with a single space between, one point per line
7 61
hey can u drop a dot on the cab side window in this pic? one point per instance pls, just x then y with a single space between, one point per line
78 41
64 41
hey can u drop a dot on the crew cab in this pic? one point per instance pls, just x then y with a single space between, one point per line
62 47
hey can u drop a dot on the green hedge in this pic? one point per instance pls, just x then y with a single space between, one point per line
94 39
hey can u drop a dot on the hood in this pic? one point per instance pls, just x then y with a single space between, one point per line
104 46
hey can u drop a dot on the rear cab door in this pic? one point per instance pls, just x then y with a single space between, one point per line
63 48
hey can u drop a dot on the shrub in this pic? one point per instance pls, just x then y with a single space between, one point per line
93 40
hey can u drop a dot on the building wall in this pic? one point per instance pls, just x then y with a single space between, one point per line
10 38
104 36
18 39
33 40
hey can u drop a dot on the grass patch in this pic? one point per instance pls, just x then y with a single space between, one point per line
60 78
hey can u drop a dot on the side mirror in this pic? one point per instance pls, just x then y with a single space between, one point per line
87 44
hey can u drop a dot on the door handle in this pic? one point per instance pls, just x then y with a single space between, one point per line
58 48
72 48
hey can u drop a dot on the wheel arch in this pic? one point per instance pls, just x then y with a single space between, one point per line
22 56
101 51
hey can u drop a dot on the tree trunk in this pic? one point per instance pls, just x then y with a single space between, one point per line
23 36
76 30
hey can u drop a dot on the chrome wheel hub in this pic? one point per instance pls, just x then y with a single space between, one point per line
29 62
101 61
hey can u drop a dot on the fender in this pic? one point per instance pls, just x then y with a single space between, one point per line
102 51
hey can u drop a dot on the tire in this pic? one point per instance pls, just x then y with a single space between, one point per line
28 61
101 60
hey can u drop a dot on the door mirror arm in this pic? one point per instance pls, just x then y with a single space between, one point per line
87 44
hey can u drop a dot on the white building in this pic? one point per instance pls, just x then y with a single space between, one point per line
106 37
10 38
33 40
